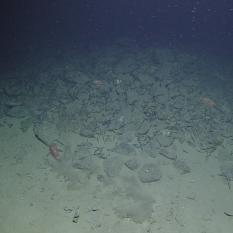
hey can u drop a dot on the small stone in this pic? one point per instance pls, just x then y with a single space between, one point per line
132 164
76 216
165 140
181 166
227 170
86 133
112 166
124 148
168 153
17 112
149 173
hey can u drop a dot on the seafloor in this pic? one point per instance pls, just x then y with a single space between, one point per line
117 138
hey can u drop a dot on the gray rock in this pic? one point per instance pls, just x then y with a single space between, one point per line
88 131
168 153
165 140
227 170
17 111
181 166
132 164
112 166
149 173
151 148
124 149
81 158
83 163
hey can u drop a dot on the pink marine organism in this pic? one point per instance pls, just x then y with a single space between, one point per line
208 102
53 147
55 151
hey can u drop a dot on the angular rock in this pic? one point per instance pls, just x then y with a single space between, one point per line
112 166
149 173
165 140
181 166
168 153
132 164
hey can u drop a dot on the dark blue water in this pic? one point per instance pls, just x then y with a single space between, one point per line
202 23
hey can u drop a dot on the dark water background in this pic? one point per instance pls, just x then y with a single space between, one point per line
203 24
